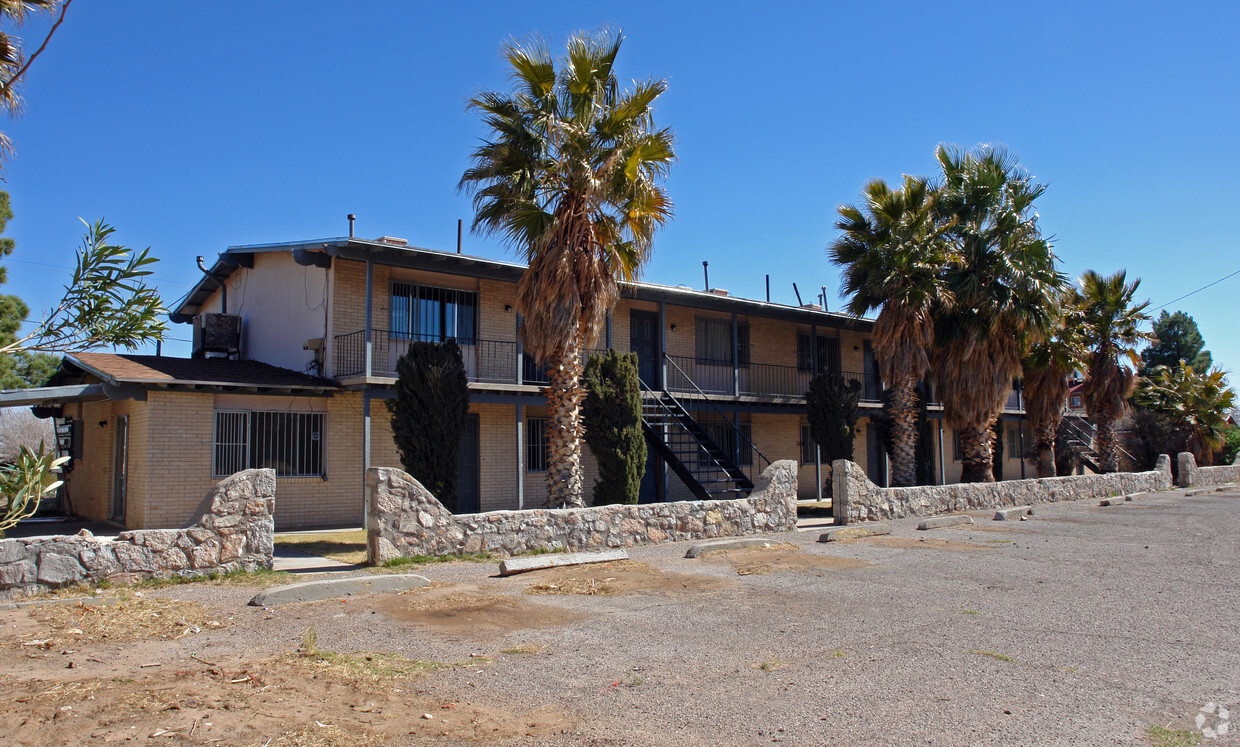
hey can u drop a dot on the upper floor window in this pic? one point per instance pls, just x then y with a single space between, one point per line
714 342
828 350
424 312
1074 401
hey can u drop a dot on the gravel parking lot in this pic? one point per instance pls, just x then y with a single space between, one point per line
1083 624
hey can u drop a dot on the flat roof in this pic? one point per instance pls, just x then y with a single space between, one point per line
402 255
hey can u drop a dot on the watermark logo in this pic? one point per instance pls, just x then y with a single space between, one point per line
1214 721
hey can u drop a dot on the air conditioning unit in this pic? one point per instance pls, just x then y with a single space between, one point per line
217 335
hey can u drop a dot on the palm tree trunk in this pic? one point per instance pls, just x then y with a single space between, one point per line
904 432
1104 444
564 394
1045 445
976 455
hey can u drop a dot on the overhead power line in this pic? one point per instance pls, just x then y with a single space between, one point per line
1186 295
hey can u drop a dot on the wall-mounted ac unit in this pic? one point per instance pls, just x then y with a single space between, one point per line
217 335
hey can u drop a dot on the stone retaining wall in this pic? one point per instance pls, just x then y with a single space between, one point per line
858 499
1190 475
236 531
406 520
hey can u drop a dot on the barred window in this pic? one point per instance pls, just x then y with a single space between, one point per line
291 443
809 448
423 312
1013 440
536 444
828 349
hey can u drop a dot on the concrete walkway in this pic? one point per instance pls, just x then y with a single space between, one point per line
296 561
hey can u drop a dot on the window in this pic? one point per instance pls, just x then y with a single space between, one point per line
423 312
724 435
1014 451
828 353
1074 401
536 444
714 342
809 448
956 453
291 443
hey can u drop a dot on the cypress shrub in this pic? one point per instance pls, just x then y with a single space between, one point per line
428 415
834 406
612 415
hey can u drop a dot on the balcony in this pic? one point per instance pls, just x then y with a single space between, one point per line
499 362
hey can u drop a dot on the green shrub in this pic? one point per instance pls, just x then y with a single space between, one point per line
612 416
834 406
428 415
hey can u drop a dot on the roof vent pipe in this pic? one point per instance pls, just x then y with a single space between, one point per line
824 298
460 226
352 218
706 274
223 288
794 290
768 288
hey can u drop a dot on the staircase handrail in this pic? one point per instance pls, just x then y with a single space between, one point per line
1070 420
735 426
701 447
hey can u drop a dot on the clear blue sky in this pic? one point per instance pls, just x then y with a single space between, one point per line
193 126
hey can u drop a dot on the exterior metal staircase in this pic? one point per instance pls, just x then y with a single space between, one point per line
706 468
1080 438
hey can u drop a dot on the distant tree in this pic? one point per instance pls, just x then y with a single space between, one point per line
612 414
428 415
1176 338
833 405
1231 445
19 427
1197 403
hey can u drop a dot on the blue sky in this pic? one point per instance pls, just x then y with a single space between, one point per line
191 129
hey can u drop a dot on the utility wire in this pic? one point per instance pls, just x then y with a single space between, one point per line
1186 295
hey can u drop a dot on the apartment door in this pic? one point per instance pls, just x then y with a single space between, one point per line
873 389
469 463
644 340
875 457
120 468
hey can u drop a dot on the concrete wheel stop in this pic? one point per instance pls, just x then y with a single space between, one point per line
700 549
855 532
1015 512
513 566
313 591
938 522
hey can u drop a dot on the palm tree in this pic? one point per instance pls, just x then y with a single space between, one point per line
1000 293
570 173
1200 402
892 252
1047 366
1111 331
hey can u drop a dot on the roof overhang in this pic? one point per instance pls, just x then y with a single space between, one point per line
52 395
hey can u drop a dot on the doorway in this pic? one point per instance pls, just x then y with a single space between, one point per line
643 340
120 468
469 464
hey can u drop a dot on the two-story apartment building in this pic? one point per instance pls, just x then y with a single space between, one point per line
295 356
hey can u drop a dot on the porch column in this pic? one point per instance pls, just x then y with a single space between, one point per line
370 306
366 441
520 457
520 353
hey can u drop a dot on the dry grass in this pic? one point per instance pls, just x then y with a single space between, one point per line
127 617
324 735
347 547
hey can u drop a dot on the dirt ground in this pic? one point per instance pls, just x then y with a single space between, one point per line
959 636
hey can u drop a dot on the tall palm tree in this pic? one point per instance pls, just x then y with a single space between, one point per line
1001 285
1111 333
1047 366
892 251
571 174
